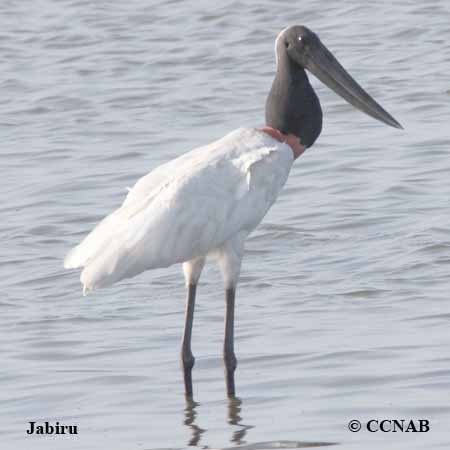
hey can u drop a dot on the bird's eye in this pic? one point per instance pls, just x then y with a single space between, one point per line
299 38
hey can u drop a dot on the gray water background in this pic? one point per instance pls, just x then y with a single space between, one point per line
343 308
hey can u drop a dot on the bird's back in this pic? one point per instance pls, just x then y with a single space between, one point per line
186 208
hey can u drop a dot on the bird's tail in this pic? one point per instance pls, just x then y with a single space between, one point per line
99 242
115 250
80 255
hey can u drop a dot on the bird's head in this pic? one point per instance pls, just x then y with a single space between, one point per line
304 49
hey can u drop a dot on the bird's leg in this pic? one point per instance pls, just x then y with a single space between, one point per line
192 270
228 346
229 258
187 358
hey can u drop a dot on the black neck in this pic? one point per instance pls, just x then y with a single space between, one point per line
292 105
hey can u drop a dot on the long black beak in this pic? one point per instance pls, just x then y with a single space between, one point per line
327 69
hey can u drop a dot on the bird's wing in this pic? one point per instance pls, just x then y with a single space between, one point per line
145 189
193 205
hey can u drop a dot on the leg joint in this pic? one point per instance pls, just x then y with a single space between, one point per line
188 361
230 361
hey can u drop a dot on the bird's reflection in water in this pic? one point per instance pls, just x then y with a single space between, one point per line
190 414
237 437
234 418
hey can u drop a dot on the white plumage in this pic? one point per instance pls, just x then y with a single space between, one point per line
203 203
